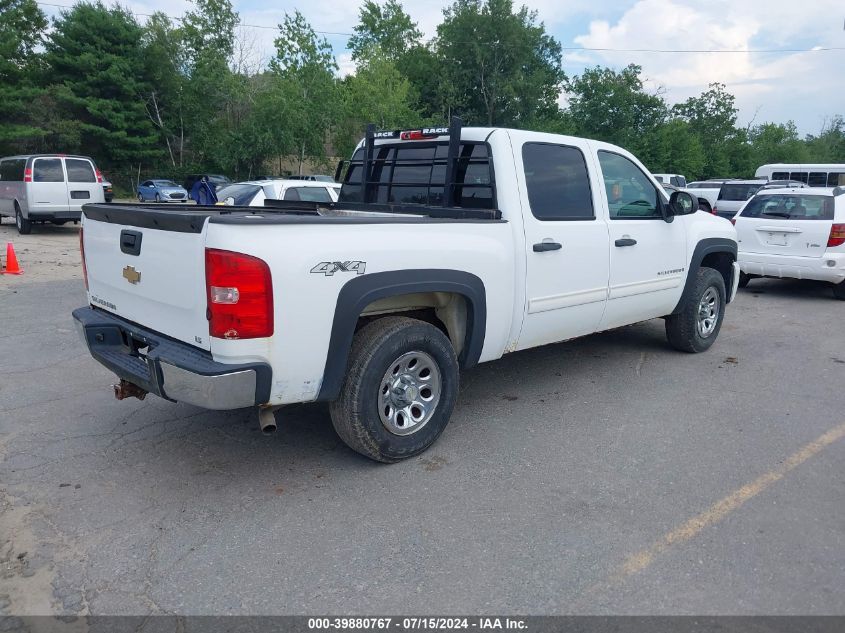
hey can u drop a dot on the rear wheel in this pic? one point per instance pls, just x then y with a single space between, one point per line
140 198
696 326
24 225
839 290
399 391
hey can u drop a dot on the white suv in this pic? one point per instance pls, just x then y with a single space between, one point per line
795 233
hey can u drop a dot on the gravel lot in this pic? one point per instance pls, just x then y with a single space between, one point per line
605 475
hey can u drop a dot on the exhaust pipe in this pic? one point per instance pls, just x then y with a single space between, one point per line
267 419
126 389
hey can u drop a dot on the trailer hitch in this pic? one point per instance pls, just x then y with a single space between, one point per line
127 389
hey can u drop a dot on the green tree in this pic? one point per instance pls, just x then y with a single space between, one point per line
777 143
306 88
22 24
498 66
712 116
385 27
829 145
376 93
613 106
675 149
164 62
97 69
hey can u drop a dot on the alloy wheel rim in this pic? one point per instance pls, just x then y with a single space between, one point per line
409 393
708 312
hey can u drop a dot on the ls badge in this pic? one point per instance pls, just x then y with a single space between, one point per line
131 275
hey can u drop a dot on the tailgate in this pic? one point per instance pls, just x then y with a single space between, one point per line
773 237
149 275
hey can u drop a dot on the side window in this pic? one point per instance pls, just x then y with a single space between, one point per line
48 170
557 181
817 179
799 175
79 170
630 193
836 179
780 175
5 170
147 183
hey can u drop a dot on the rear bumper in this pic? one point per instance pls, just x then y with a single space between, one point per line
49 216
170 369
829 267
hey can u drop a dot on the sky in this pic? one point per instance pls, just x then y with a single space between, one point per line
805 87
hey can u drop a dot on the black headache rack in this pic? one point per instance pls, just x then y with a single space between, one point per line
371 166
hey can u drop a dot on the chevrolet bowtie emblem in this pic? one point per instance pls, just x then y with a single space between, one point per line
131 275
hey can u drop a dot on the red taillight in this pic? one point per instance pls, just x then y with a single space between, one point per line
240 295
82 253
837 235
99 175
27 175
733 221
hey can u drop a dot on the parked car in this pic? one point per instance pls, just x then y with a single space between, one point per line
216 180
797 233
733 195
108 191
375 306
317 177
671 179
703 202
161 191
254 193
40 188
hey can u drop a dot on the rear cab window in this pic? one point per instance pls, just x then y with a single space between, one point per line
558 182
791 207
415 173
308 194
48 170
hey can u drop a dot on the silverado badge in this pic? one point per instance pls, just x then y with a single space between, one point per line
131 275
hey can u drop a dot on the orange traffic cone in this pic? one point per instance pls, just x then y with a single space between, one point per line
12 267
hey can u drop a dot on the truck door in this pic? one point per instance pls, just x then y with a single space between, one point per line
48 190
566 243
647 254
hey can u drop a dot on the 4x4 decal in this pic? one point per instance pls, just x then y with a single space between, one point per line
330 268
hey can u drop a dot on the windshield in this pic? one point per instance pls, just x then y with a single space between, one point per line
790 207
165 183
241 195
738 192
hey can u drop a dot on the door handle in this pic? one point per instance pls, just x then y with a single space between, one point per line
542 247
626 241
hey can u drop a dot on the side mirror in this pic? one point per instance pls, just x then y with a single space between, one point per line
683 203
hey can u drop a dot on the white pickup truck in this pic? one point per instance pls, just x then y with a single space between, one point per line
448 247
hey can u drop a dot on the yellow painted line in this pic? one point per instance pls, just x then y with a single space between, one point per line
724 506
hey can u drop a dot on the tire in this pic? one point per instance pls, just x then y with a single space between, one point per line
158 198
839 290
691 330
140 198
24 225
743 279
368 415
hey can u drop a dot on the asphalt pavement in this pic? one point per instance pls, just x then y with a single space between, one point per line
607 475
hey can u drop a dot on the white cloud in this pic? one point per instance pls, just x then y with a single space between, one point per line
775 87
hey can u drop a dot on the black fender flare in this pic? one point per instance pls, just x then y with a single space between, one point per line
702 249
358 293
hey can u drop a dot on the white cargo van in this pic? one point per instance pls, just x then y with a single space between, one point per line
47 188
